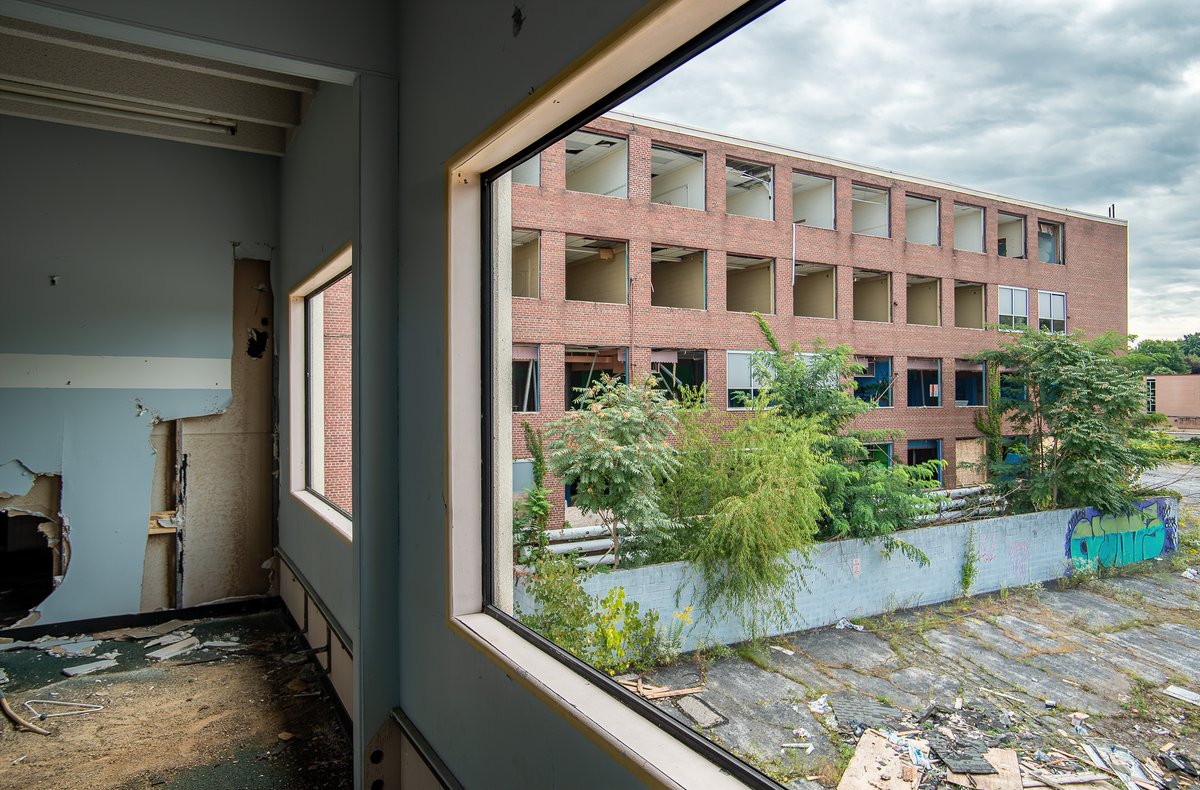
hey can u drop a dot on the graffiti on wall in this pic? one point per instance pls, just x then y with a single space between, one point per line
1146 532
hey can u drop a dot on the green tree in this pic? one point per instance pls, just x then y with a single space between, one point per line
1190 344
614 450
1164 356
531 513
1084 415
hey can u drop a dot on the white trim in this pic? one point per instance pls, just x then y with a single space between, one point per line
68 371
717 137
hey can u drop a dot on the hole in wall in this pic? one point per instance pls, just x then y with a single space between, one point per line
34 552
256 344
377 756
377 784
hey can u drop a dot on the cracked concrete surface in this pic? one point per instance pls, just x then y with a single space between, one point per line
1105 648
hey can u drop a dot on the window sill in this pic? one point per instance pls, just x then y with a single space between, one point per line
817 317
750 216
676 205
334 518
655 756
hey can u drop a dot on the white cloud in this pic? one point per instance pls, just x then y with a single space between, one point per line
1077 104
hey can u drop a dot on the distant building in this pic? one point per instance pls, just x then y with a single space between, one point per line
1178 397
640 246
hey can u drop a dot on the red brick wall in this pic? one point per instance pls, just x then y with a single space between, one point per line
337 349
1094 278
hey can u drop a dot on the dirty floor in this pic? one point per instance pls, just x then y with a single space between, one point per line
1019 664
247 712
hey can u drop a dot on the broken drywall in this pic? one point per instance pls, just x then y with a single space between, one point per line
15 479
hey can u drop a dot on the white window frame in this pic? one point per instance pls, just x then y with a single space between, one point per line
1000 316
1051 317
653 755
339 264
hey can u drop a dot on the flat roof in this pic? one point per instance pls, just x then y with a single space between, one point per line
641 120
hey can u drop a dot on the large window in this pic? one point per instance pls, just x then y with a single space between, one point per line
741 382
1014 307
525 378
924 382
319 388
1052 312
874 382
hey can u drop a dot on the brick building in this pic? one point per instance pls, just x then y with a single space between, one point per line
640 245
1177 396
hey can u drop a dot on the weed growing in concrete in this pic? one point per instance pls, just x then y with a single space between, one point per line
970 565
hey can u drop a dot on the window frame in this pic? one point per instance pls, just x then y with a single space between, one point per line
1051 317
332 270
1000 316
636 53
1060 239
754 390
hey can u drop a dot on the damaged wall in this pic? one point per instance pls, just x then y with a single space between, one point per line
118 280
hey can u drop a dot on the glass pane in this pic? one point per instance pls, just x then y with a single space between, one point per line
330 346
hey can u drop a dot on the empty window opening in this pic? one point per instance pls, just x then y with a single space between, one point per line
526 262
970 385
924 382
969 305
1151 396
525 378
598 163
330 353
742 382
585 364
874 382
923 450
676 176
924 300
870 210
878 453
872 296
814 290
676 369
1013 313
677 277
529 172
749 284
1050 242
597 270
921 220
749 189
968 228
812 201
1010 236
970 462
1052 312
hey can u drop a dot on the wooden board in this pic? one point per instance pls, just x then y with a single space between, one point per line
875 759
1007 776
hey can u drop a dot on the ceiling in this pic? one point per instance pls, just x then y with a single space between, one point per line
57 75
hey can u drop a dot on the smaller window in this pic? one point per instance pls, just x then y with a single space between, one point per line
968 228
970 385
924 382
742 383
921 220
870 210
749 284
526 262
812 201
970 300
678 277
675 369
525 378
1014 307
1052 312
872 296
1010 236
1151 396
923 450
598 163
749 189
676 176
874 383
585 364
1050 242
597 270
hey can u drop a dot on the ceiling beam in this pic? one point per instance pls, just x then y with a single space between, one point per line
42 63
137 52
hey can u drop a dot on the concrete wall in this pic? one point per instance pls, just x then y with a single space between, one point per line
679 283
319 200
138 233
853 578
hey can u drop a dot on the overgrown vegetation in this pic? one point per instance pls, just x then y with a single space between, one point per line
613 449
1157 357
531 513
970 565
611 632
1087 436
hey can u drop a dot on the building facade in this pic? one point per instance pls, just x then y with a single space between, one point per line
1176 396
640 246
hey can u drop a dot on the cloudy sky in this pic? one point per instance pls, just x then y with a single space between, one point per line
1072 103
